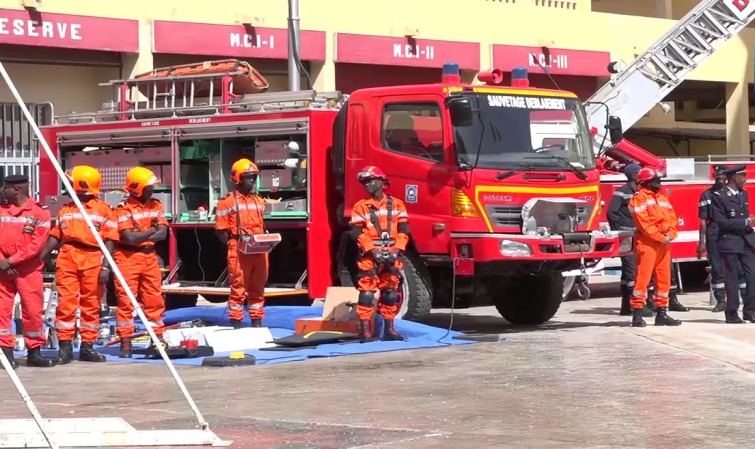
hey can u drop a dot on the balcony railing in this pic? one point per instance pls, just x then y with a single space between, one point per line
569 5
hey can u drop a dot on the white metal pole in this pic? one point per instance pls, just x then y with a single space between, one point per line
116 271
27 400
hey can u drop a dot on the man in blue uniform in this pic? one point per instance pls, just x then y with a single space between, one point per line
736 241
619 219
709 241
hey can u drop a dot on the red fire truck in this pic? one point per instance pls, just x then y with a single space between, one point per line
500 182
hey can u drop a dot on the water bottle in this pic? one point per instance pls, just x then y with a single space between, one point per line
19 344
77 336
104 333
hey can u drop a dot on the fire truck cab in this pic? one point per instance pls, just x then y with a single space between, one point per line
500 182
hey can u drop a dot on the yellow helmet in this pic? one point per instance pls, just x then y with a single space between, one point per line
242 167
138 178
85 180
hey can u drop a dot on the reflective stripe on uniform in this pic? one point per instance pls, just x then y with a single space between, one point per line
124 323
649 202
242 206
254 306
719 285
236 306
661 294
90 326
639 294
743 285
140 215
32 334
64 325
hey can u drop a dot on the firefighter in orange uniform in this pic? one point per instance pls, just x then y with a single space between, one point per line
241 213
141 224
81 273
24 227
656 225
380 225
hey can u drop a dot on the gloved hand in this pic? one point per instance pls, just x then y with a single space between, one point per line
154 223
667 241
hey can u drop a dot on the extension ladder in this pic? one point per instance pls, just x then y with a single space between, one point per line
666 63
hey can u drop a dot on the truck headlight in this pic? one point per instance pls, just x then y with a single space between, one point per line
512 248
625 245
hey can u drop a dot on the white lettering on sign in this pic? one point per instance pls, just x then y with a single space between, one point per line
505 101
199 120
44 29
252 41
152 123
406 51
539 60
741 8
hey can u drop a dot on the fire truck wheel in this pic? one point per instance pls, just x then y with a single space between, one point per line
416 285
529 300
569 286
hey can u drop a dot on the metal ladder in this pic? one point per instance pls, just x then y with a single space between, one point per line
666 63
174 96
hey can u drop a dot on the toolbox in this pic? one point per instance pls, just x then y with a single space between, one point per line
298 205
275 179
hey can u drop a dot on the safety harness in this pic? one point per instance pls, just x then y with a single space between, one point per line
385 239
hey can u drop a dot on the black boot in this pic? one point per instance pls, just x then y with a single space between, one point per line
127 351
390 333
65 353
236 324
9 355
88 354
720 297
626 293
365 336
256 322
661 319
674 305
34 358
637 320
650 305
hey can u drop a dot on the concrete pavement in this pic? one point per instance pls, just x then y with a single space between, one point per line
584 380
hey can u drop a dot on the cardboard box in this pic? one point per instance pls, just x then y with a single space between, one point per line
338 315
305 325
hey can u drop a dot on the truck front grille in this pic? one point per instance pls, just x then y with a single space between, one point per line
511 216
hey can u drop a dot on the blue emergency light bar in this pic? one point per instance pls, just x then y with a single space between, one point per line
451 74
519 77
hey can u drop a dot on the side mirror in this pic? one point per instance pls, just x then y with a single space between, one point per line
615 132
460 109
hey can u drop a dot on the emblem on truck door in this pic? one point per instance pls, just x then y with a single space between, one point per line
410 195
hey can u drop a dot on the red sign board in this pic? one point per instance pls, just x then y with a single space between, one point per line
402 51
68 31
557 61
237 41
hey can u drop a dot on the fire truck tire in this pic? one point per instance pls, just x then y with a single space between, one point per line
416 283
529 300
570 283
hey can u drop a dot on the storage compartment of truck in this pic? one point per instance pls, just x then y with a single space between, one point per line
205 166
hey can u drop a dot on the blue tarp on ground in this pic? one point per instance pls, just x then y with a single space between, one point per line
281 320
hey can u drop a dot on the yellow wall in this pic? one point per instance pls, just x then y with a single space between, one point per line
505 22
74 89
566 24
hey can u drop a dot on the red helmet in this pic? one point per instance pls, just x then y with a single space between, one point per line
646 174
371 172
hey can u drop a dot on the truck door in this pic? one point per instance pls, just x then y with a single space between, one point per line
409 147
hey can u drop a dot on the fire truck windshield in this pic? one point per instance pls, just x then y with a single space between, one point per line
510 131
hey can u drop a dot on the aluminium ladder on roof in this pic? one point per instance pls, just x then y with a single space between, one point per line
666 63
175 96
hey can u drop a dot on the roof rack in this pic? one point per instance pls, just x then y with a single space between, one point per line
174 96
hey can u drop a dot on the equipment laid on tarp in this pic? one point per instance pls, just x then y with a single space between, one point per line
315 338
188 349
235 359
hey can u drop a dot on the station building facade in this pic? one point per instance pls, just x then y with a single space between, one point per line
59 51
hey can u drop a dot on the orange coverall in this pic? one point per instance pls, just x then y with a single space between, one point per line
139 266
373 218
23 233
78 267
655 220
247 272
